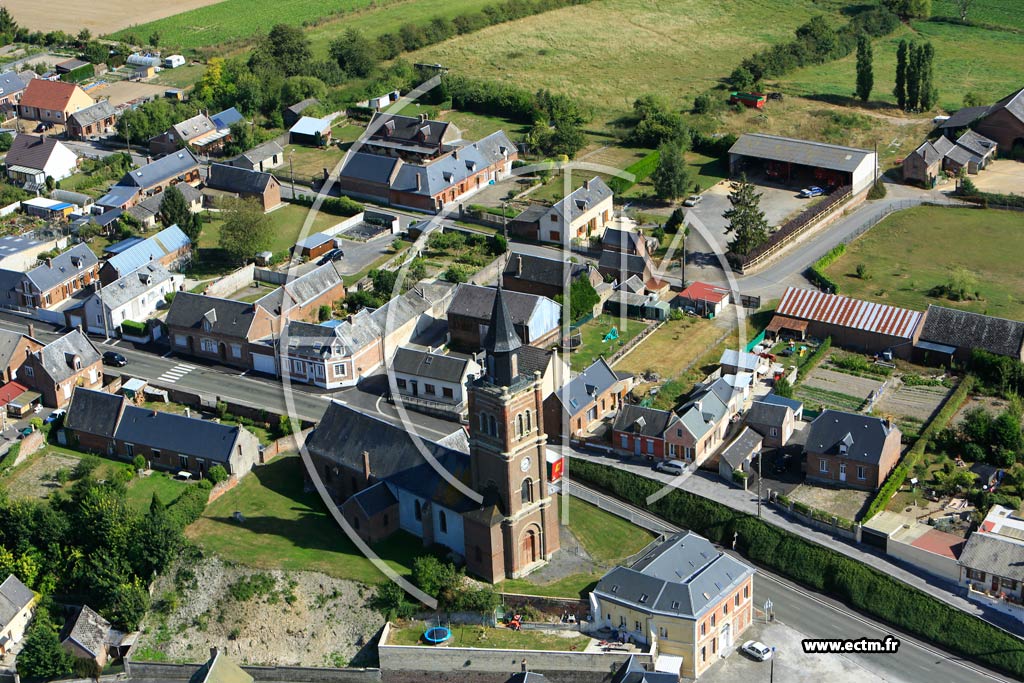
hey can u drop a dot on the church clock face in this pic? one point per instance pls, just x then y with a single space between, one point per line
525 464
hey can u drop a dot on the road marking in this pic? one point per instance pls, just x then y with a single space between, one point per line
177 372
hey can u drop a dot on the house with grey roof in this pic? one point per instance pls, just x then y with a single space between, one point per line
738 455
413 138
198 133
543 276
34 158
261 158
433 383
236 181
775 422
535 318
992 562
60 366
1003 123
147 211
851 449
332 356
99 119
949 333
222 330
12 85
16 609
180 166
593 395
638 430
135 297
58 278
583 213
300 298
170 248
703 424
683 598
87 635
293 113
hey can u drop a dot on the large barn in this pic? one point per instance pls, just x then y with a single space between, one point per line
852 323
802 162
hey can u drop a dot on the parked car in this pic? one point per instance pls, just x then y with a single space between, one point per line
55 415
812 191
43 125
332 255
940 119
782 461
115 359
757 650
24 431
693 200
672 467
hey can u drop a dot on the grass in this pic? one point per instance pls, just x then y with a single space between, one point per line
608 53
604 536
287 528
141 490
670 349
181 77
411 633
932 241
307 163
996 12
593 344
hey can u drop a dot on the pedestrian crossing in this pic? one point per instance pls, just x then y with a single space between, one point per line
177 372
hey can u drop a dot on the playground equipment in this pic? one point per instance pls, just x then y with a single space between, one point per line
438 635
516 622
612 335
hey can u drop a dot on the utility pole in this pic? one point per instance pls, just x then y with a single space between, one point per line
504 218
876 163
128 137
291 170
760 457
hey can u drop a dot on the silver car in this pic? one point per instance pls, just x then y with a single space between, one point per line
693 200
757 650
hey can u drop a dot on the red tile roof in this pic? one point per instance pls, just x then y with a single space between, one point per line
52 95
11 391
940 543
808 304
702 291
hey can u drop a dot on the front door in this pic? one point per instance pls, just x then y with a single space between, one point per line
414 387
995 584
842 471
726 638
529 549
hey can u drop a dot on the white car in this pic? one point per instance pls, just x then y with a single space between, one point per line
669 467
940 119
693 200
757 650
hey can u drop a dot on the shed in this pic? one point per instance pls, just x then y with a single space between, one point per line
310 131
704 299
796 162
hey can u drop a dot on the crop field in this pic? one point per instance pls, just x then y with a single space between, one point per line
967 59
932 241
609 52
72 16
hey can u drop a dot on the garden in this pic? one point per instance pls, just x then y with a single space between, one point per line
603 337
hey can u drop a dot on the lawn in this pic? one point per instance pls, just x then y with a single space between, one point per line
932 241
287 528
593 344
166 487
606 538
674 346
995 12
307 163
181 77
605 54
411 633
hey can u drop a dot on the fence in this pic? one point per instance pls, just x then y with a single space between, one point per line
632 344
616 508
292 674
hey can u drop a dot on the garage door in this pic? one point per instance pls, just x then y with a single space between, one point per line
264 364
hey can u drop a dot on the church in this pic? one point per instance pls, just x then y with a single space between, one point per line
384 481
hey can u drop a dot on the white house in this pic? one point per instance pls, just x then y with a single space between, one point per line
585 212
32 159
433 383
992 562
136 297
16 603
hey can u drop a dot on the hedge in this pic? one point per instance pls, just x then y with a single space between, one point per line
336 206
133 327
816 273
189 506
641 170
900 473
987 199
816 357
821 569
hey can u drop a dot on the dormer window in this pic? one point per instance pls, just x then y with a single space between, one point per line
207 326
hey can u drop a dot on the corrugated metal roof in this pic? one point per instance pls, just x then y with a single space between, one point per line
166 241
839 310
804 152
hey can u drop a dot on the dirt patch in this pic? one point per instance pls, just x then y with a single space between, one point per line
916 402
837 390
992 404
1001 176
35 480
846 503
295 618
74 15
121 92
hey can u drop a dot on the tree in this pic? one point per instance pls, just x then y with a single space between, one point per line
154 39
783 388
747 223
286 48
962 284
298 88
246 230
157 540
963 7
5 141
1005 433
865 68
929 92
174 211
973 99
8 26
671 178
902 58
957 480
914 77
976 425
355 53
657 123
42 655
742 79
582 297
217 473
675 221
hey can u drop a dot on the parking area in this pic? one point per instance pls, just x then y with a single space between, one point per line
1004 176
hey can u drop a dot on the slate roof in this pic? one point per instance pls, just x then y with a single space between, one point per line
532 213
621 240
150 206
375 499
177 433
451 169
623 263
90 115
976 143
762 415
546 271
171 166
118 196
303 289
533 359
803 152
834 309
584 388
194 127
501 336
10 83
89 630
700 415
94 412
263 152
345 339
962 329
943 145
133 285
63 267
775 399
429 365
962 155
8 345
44 94
748 442
682 577
963 117
301 105
237 179
582 199
56 357
474 301
227 317
163 243
31 151
929 155
994 554
862 435
644 421
408 129
14 597
374 168
1013 103
633 671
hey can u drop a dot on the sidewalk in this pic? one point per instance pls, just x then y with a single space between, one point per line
708 485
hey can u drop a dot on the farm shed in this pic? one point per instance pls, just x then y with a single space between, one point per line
706 300
802 162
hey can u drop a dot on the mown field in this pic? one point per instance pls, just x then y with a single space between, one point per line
932 241
995 12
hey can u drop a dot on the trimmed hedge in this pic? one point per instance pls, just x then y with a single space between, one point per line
856 584
816 357
336 206
816 273
900 473
133 327
189 506
641 170
987 199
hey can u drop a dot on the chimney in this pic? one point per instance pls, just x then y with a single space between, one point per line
366 465
152 413
455 154
188 412
31 330
519 265
586 184
49 262
149 159
419 182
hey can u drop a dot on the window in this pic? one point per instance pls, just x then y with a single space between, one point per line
156 454
625 441
448 392
355 523
129 450
725 609
401 383
385 519
663 632
208 345
492 426
428 389
526 492
442 521
774 431
703 654
861 474
519 424
823 465
975 575
736 600
679 432
340 371
703 628
636 626
713 620
183 462
418 511
650 446
591 414
714 645
746 592
236 350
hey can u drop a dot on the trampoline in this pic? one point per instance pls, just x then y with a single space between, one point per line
435 635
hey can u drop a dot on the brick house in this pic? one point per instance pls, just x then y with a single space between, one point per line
98 119
58 278
52 101
234 181
413 138
542 276
991 566
15 348
586 399
586 211
703 425
62 365
642 431
332 357
170 248
111 425
87 635
684 598
850 449
948 333
12 86
217 329
774 422
16 607
535 317
153 178
302 297
1003 122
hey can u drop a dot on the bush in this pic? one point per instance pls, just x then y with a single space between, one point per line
139 462
189 506
85 466
816 357
133 328
217 474
222 409
324 313
877 190
641 170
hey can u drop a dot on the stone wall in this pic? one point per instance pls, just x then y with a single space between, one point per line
232 282
280 674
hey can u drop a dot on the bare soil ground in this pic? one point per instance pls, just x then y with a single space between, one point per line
74 15
35 480
992 404
1002 176
120 92
846 503
307 619
917 402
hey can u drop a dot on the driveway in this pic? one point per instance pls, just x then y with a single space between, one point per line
1003 176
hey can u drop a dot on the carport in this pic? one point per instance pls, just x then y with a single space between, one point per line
796 162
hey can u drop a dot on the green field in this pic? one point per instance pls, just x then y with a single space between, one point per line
932 241
141 490
994 12
967 59
181 77
593 344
